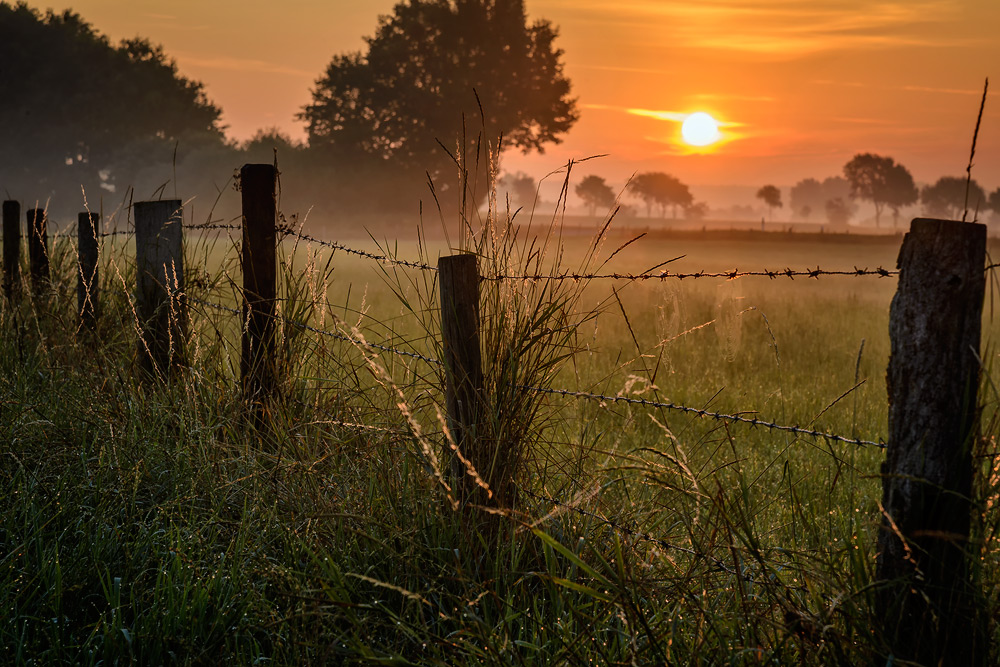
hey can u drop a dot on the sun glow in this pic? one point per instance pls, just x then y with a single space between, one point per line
700 129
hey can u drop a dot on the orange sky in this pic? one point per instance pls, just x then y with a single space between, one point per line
805 84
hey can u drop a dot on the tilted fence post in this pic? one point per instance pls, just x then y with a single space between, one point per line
87 230
458 280
160 302
925 600
38 250
11 247
257 363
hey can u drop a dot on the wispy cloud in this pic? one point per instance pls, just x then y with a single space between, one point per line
231 64
786 27
636 70
658 114
674 116
718 97
934 90
175 22
859 121
940 91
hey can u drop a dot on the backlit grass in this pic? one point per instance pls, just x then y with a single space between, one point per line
156 523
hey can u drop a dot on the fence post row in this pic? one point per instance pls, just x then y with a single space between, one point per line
88 227
458 281
926 600
160 303
11 246
257 362
38 250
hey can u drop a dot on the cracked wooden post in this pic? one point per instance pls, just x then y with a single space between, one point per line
160 303
11 247
257 362
87 230
926 601
38 250
458 281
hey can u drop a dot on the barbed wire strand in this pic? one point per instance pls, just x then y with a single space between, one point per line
731 275
361 253
718 416
213 225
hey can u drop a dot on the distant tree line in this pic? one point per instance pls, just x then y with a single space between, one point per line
887 184
883 182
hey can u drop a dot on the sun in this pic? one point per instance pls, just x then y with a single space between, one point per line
700 129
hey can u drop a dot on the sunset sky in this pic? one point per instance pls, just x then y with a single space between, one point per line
800 86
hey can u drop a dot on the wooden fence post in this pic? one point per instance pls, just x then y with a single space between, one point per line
458 280
87 230
11 247
257 362
38 250
160 303
926 601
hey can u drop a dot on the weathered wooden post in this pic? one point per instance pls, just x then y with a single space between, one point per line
926 600
458 280
88 227
11 247
160 302
257 363
38 250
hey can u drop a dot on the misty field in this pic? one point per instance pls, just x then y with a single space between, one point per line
158 522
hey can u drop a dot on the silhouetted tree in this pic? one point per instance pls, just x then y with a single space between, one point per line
900 190
994 201
806 194
946 198
523 188
838 211
874 178
78 110
810 195
771 196
594 192
442 79
263 145
696 211
661 189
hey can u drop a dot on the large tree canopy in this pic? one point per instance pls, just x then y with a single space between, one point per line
438 70
771 196
881 181
594 192
947 197
76 109
809 196
662 189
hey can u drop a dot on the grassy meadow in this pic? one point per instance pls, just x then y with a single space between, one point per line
158 522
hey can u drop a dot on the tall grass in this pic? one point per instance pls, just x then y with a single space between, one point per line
155 523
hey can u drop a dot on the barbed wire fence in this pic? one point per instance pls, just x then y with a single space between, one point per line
284 232
258 316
